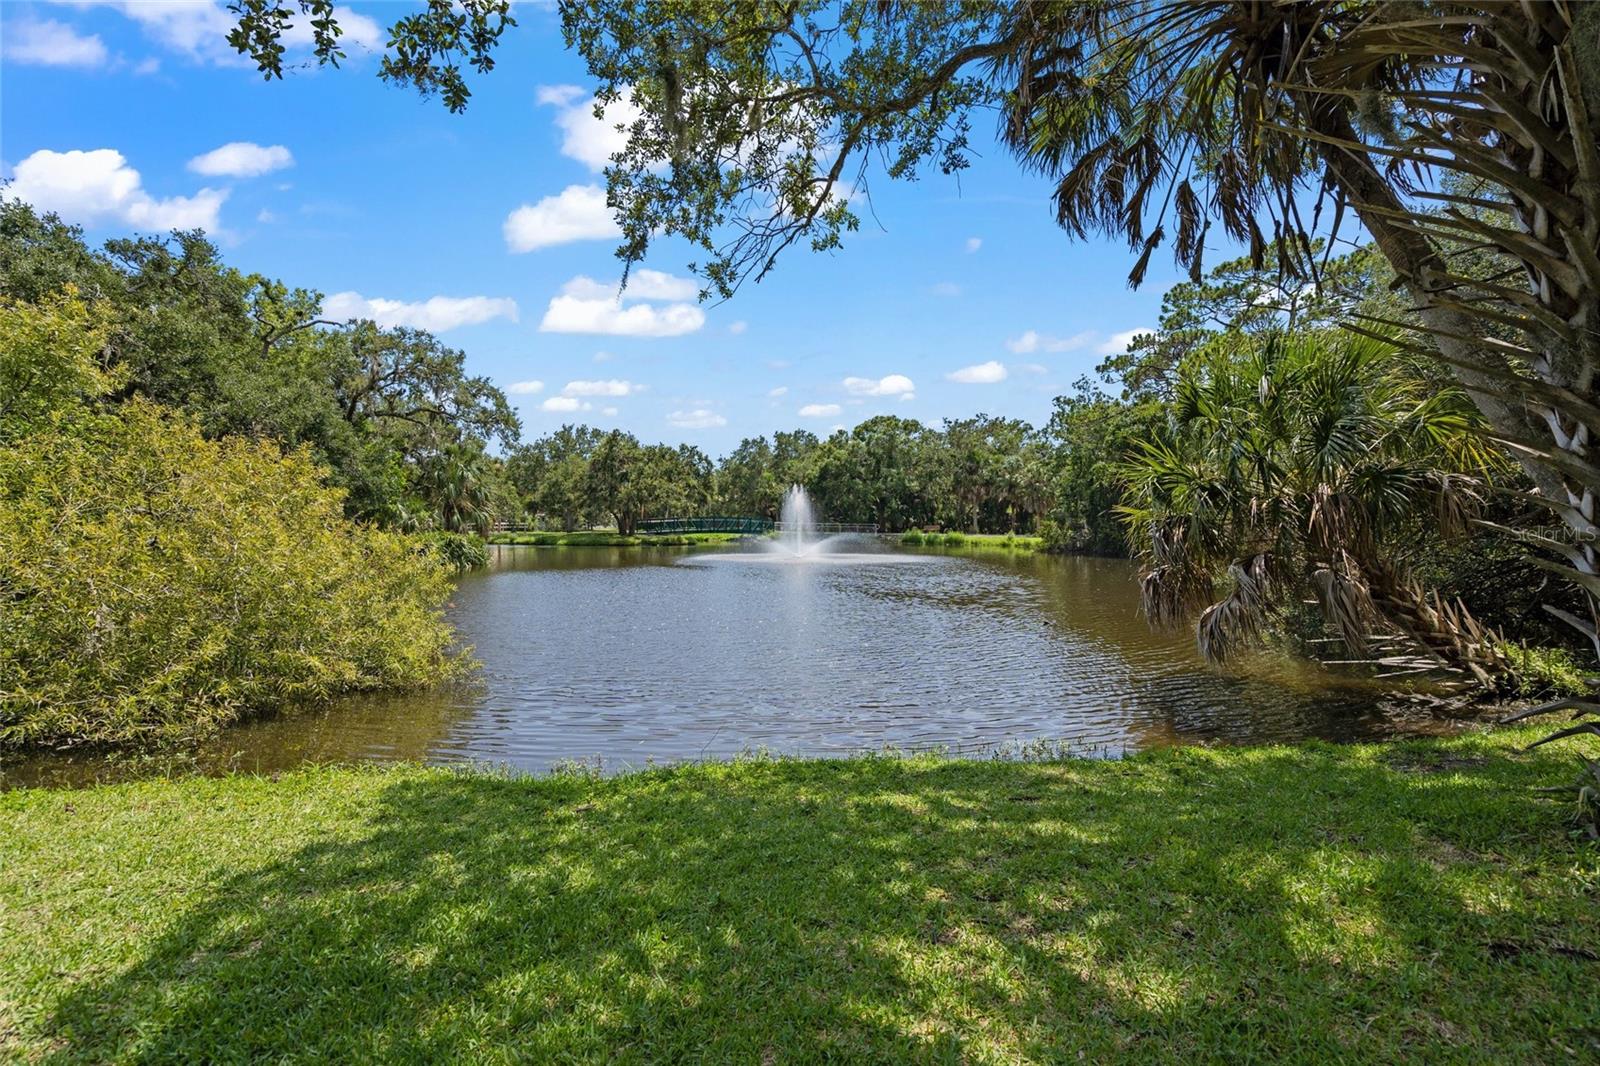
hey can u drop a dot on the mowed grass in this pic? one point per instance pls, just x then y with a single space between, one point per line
1411 902
957 539
604 539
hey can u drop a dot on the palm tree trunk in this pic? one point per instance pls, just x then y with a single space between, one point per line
1445 631
1548 417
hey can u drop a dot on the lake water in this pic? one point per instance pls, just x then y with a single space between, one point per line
626 656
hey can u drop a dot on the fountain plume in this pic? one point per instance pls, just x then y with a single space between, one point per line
797 522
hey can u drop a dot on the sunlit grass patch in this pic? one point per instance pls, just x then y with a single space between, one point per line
1319 903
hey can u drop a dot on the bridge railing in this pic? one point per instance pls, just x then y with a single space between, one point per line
830 527
741 524
703 524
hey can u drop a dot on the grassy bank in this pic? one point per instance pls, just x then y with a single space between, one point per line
954 539
1410 902
605 539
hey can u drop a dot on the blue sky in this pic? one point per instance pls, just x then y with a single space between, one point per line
955 297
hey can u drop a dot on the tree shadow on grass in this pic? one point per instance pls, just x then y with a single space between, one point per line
1293 905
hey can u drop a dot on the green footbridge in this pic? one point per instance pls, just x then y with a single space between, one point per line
659 527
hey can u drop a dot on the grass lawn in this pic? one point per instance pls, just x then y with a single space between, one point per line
603 539
956 539
1410 902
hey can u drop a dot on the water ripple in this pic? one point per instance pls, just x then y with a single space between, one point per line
633 655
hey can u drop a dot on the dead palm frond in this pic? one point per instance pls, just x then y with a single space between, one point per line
1238 619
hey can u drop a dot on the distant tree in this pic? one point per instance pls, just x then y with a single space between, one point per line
794 454
403 380
746 479
1090 434
613 480
244 354
1245 298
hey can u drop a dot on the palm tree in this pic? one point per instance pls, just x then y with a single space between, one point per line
1446 128
455 481
1294 466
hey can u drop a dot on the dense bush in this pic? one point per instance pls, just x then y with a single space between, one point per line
457 551
49 360
1502 586
157 583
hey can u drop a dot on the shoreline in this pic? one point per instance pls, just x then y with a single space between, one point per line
604 539
608 539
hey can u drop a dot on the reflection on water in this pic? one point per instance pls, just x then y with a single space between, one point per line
630 655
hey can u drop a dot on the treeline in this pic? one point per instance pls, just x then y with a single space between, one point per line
980 474
415 443
391 415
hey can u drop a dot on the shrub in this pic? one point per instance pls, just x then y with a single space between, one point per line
912 537
49 360
457 551
1547 672
1054 537
1501 586
155 583
954 538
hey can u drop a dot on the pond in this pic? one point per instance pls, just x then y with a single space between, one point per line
626 656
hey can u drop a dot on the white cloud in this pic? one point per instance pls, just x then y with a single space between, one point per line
1118 343
90 186
612 387
591 141
738 327
577 213
603 357
609 412
358 30
893 385
241 159
820 410
525 388
979 373
781 390
52 44
642 285
198 29
146 67
559 95
435 314
973 244
266 217
659 285
699 418
564 404
1033 368
945 288
587 306
1034 341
